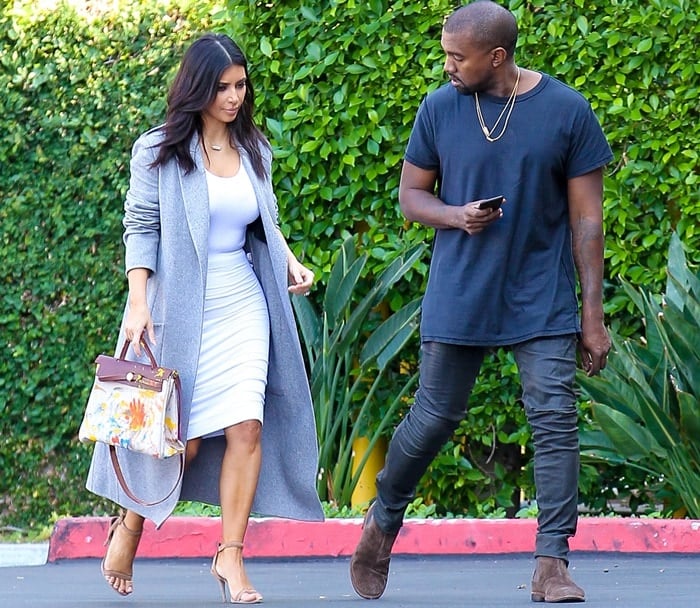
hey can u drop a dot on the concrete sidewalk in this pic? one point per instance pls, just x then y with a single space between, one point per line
26 554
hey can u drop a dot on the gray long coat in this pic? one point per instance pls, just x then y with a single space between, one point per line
166 230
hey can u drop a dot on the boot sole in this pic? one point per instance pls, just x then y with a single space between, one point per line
539 597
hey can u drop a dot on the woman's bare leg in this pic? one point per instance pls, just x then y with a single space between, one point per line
240 469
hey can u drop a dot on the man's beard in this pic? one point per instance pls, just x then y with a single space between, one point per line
461 88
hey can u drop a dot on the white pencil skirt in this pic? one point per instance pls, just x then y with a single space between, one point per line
232 371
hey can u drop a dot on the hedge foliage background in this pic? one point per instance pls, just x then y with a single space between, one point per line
337 90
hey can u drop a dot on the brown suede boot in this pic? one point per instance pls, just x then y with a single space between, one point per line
369 564
551 582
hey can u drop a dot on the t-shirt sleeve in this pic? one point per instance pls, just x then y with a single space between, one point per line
421 150
589 149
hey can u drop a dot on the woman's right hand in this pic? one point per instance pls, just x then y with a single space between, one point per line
138 320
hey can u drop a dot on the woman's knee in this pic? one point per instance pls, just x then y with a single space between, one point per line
244 435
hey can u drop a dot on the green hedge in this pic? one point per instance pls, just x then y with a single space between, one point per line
338 88
77 88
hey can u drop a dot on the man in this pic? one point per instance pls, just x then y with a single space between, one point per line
501 276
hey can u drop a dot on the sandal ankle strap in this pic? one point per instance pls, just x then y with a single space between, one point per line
117 522
129 530
234 544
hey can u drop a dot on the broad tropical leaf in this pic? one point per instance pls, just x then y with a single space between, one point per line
631 440
338 295
647 401
349 359
689 406
309 323
382 344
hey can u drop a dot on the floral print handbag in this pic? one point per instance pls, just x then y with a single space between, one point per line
134 406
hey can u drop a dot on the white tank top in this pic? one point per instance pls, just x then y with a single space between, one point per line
232 206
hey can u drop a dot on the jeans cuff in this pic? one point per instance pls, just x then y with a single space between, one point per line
556 545
389 524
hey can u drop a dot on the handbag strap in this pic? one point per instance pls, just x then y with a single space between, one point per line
125 486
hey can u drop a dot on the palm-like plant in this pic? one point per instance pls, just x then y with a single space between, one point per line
350 363
647 400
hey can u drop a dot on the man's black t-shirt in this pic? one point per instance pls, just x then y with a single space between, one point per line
516 279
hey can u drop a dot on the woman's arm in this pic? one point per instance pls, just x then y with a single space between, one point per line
300 277
138 318
141 239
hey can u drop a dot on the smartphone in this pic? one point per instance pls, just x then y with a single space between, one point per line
492 203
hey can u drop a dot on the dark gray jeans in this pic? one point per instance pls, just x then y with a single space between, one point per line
547 369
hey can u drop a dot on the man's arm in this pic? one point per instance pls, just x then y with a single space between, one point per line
586 216
419 204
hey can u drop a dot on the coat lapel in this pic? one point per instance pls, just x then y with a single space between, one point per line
195 198
266 203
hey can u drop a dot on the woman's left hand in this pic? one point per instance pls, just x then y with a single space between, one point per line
300 277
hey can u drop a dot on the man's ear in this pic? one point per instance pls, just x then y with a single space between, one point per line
498 56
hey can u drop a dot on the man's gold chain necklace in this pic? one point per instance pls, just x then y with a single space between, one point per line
507 110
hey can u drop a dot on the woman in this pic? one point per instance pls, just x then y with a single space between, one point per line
209 276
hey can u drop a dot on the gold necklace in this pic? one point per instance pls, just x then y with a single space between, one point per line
510 104
215 147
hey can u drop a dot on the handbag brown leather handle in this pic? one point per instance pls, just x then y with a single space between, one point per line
146 348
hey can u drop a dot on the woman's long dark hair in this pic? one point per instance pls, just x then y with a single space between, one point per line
194 89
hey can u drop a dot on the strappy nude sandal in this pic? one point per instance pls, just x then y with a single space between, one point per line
126 577
237 597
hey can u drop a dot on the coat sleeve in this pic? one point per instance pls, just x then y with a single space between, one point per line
142 209
269 190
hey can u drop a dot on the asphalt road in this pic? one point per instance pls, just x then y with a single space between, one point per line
611 580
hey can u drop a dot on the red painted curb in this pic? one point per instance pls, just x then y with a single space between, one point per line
83 537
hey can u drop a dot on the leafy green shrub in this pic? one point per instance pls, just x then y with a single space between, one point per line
352 352
339 83
647 401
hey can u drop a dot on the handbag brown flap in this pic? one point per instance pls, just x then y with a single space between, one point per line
111 369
